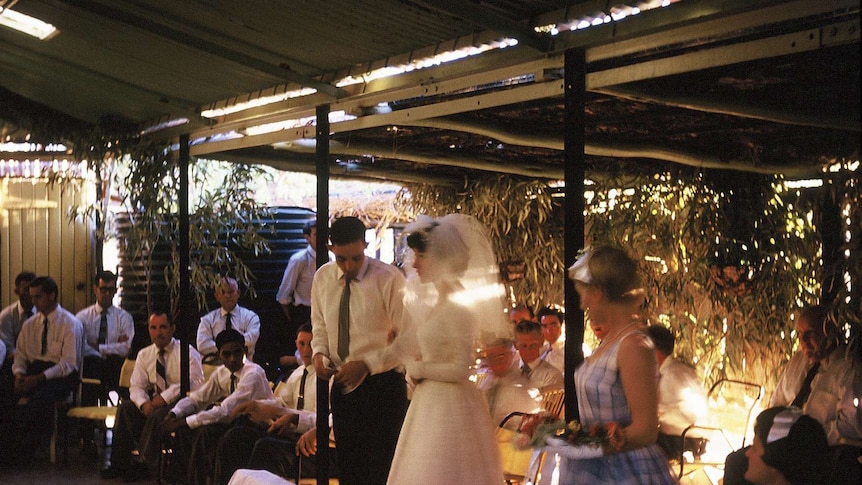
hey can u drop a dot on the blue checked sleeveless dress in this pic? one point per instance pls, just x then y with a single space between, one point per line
601 399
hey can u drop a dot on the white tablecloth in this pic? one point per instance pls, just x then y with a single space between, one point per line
257 477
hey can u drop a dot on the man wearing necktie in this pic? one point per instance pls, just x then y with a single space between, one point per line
528 342
272 426
108 333
46 364
826 383
203 417
154 389
12 318
228 315
369 396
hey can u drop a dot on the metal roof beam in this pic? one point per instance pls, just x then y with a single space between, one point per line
491 20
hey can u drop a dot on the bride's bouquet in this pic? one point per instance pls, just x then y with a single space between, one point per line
545 429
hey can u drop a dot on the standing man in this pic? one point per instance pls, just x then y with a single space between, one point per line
294 293
11 320
356 305
108 332
554 350
228 315
46 363
155 387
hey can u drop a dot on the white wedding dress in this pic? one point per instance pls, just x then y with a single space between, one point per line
448 436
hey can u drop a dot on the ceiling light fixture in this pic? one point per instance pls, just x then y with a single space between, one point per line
27 24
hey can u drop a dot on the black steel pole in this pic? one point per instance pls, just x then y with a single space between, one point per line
573 142
322 171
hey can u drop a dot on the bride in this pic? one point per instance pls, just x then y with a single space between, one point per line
455 298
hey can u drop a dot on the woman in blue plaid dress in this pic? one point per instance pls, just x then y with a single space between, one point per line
617 386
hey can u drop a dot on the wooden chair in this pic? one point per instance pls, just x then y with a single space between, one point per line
99 414
553 399
732 405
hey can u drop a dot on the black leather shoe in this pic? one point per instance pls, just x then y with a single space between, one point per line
112 472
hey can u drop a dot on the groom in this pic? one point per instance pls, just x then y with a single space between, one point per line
356 306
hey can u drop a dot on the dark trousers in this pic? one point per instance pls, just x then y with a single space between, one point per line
299 314
366 423
34 417
279 456
201 454
132 429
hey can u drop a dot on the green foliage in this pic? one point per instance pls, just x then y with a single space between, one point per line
145 178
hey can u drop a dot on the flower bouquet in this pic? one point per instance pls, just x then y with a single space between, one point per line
545 430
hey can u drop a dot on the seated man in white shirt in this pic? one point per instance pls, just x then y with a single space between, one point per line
528 342
46 364
202 418
252 419
153 390
681 398
505 389
228 315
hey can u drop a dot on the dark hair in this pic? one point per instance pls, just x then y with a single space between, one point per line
227 336
346 230
308 226
801 456
662 338
47 284
305 327
550 311
27 276
523 307
528 326
162 311
418 241
104 276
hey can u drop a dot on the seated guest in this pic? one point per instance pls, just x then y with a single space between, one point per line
154 389
227 315
789 449
824 380
528 342
11 319
505 388
47 359
201 419
108 334
521 312
681 398
297 393
279 456
554 350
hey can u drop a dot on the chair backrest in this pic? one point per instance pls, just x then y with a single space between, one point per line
553 398
732 404
126 373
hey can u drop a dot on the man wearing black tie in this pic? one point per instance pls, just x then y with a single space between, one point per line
825 383
108 333
228 315
202 418
155 387
46 364
270 428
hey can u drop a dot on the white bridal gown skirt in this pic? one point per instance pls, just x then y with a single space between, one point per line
447 438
